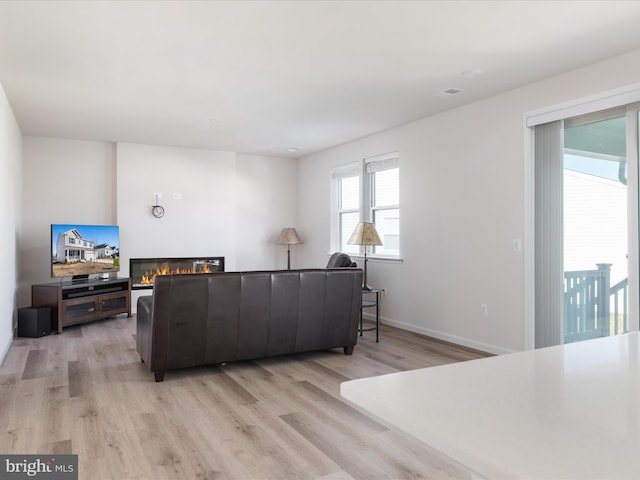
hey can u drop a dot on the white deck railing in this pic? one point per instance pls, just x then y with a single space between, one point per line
593 308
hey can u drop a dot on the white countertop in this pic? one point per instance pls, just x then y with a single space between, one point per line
571 411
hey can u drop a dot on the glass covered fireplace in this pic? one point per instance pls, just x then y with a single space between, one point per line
143 270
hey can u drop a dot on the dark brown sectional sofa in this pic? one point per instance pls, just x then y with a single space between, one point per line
205 319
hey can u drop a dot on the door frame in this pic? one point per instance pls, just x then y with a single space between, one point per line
622 97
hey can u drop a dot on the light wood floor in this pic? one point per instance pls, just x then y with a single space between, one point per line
86 392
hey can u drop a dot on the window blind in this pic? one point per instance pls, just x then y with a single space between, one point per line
348 170
549 276
382 162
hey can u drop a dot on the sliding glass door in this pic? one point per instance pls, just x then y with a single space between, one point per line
595 226
586 226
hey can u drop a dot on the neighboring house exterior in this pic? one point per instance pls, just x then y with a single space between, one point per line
595 224
71 247
106 251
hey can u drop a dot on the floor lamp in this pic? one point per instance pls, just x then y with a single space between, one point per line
365 234
288 237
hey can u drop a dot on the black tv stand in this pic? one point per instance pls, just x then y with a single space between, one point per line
73 302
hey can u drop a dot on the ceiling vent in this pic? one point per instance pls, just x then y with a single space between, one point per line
449 92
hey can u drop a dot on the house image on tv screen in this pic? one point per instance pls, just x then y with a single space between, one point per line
106 251
71 247
81 250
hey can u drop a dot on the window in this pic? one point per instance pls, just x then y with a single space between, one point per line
348 204
374 183
384 198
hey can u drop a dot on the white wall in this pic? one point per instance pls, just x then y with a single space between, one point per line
265 203
201 222
64 181
11 234
462 184
462 196
231 205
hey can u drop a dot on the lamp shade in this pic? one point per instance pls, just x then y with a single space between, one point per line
288 236
365 234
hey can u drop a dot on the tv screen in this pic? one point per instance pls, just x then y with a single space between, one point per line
81 250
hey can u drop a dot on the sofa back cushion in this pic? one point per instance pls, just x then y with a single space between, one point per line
213 318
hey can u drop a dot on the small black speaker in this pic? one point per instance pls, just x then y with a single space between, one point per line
34 322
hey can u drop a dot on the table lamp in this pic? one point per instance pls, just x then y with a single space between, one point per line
289 237
365 234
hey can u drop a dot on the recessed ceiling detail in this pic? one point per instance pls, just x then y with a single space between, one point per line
449 92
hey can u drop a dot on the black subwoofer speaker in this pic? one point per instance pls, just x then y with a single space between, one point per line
34 322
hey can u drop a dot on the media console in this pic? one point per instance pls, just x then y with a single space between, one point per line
83 301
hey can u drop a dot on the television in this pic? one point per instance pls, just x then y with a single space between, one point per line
78 251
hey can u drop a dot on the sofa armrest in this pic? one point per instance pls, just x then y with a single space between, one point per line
144 327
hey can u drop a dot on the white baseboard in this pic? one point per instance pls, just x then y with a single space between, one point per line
5 350
465 342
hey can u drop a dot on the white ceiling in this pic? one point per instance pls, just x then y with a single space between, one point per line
264 76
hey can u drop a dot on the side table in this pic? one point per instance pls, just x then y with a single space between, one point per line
368 303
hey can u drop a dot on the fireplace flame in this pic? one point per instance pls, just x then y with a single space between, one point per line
149 276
